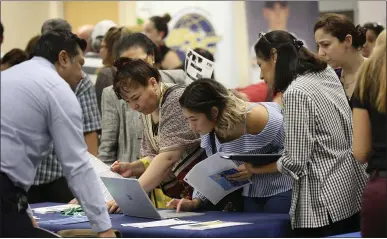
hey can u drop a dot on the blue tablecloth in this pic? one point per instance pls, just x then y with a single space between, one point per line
264 225
352 235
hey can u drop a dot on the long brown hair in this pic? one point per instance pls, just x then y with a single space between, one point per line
371 77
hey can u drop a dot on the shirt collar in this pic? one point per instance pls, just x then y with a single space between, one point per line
43 61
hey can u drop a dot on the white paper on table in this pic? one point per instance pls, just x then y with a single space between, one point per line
199 177
52 209
103 170
197 67
158 223
209 225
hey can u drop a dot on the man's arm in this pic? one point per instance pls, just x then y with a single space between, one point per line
91 139
65 127
90 114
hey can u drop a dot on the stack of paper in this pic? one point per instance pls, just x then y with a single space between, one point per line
209 225
158 223
66 220
52 209
209 177
103 170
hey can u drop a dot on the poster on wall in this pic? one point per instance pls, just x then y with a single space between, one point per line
296 17
199 24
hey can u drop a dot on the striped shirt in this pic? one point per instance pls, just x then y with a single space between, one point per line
318 151
270 140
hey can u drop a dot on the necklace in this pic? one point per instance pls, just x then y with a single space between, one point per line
346 84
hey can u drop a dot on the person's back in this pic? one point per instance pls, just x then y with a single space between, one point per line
26 96
332 126
39 107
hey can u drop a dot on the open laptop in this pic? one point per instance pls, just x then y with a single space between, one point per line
133 201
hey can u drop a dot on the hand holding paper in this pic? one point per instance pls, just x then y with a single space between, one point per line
209 177
242 174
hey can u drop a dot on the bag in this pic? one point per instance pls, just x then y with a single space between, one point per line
233 202
176 187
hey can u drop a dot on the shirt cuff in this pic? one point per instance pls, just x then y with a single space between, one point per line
29 211
102 224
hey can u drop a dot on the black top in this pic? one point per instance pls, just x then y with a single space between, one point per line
162 50
338 72
377 158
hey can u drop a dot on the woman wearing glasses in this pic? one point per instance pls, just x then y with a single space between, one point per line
167 142
106 75
121 126
327 181
339 43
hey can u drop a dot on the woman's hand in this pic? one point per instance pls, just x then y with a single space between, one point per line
34 223
242 175
184 204
123 168
113 207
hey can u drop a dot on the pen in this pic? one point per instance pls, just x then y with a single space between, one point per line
115 163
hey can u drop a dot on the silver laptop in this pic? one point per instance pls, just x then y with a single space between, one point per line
133 201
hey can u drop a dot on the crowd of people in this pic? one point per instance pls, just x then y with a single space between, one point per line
324 112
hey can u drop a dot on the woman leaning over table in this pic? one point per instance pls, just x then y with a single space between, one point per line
230 124
327 181
369 138
167 140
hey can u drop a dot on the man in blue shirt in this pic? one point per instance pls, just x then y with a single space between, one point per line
50 184
38 107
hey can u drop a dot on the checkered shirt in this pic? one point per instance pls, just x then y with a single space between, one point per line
50 168
318 151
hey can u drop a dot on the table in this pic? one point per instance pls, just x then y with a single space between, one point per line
353 234
264 225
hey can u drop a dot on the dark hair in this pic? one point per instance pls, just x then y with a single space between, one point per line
293 59
204 53
377 28
340 26
14 57
203 94
55 24
30 48
132 70
50 44
112 36
1 30
137 40
161 23
270 4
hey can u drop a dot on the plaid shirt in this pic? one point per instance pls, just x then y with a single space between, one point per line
318 151
50 168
